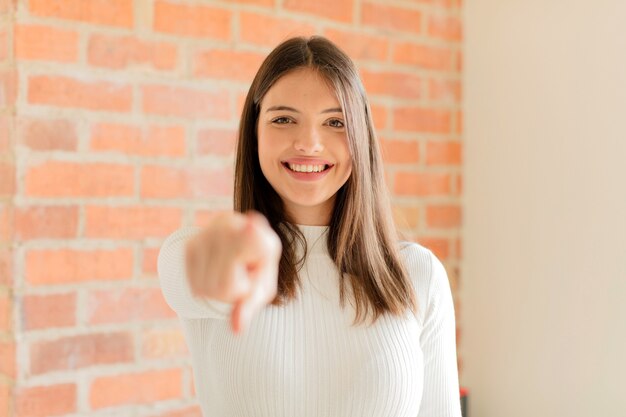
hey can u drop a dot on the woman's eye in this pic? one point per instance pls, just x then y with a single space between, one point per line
335 123
281 120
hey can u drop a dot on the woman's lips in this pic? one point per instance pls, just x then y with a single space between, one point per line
307 176
307 161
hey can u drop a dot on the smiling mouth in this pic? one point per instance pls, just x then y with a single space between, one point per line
307 168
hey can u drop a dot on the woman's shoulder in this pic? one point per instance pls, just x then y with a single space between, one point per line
417 258
427 273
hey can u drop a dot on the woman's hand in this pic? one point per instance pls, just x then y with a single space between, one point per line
235 260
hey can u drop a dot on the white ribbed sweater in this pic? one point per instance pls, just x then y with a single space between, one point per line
307 359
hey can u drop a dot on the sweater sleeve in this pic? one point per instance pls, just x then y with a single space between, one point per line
440 396
174 284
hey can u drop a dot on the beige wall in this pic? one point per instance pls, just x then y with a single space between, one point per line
544 290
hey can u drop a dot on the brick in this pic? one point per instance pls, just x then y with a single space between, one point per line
68 92
35 222
358 45
241 99
422 56
227 64
115 137
438 245
6 135
4 45
8 365
6 267
448 91
219 142
261 29
406 217
48 135
75 352
459 122
71 179
38 42
122 52
459 184
134 222
448 28
186 102
48 311
443 216
391 17
7 223
127 305
341 11
443 153
447 4
133 140
163 344
138 388
380 116
422 183
255 2
7 178
6 317
6 390
393 84
65 266
149 263
418 119
400 151
118 13
193 411
45 401
8 87
192 20
166 182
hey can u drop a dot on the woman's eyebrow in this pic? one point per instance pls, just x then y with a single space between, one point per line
291 109
282 108
333 110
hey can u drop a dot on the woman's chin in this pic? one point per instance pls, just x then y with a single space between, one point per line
307 203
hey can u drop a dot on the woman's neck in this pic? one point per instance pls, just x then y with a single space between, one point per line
318 215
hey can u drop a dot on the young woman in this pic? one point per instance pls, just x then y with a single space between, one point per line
302 301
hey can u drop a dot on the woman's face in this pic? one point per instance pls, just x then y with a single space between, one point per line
303 147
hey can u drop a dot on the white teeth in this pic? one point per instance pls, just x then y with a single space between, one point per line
306 168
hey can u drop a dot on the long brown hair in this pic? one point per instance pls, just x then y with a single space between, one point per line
362 238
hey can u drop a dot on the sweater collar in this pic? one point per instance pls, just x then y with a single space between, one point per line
315 238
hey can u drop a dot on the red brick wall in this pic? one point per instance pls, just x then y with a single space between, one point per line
118 126
7 192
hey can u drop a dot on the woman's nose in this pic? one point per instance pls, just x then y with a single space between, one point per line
308 141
